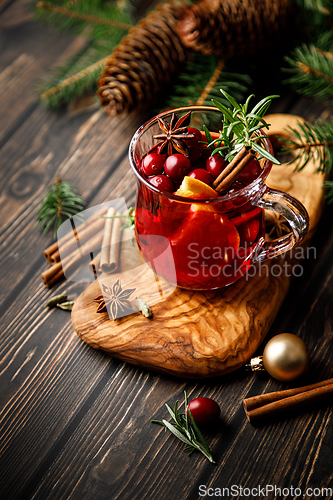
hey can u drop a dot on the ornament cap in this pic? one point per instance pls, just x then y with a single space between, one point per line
257 364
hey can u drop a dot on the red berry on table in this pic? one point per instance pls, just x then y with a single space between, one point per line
250 172
205 411
152 164
162 182
196 139
215 165
202 175
177 166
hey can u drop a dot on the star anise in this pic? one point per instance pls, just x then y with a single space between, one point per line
114 299
275 225
174 136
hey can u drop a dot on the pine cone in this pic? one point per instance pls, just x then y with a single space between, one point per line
228 28
144 63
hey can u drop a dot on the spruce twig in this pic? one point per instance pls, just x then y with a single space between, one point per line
74 78
84 17
61 201
103 24
312 72
311 142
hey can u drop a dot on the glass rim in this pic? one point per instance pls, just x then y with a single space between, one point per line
246 191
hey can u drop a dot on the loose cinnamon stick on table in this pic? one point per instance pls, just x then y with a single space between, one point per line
86 230
94 265
111 242
58 270
261 407
235 167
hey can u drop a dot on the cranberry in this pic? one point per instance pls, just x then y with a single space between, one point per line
215 165
177 166
196 156
162 182
202 175
250 172
152 164
205 411
196 139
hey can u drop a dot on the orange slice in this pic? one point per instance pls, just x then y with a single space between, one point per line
193 188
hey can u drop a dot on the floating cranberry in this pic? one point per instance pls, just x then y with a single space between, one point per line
202 175
196 156
152 164
196 139
250 172
205 411
215 165
162 182
177 166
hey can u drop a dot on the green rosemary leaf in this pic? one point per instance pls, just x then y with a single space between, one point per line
199 434
265 153
178 419
231 100
177 433
208 135
226 112
247 102
172 413
258 108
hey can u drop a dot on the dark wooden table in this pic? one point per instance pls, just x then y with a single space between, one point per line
75 423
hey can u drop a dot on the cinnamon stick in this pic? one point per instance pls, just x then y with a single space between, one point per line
52 254
80 235
105 251
258 408
94 265
235 167
58 270
111 245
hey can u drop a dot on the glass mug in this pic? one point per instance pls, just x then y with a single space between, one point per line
208 244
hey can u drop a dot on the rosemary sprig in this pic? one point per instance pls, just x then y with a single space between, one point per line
186 430
61 200
130 216
240 126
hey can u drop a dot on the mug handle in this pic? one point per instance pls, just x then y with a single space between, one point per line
295 214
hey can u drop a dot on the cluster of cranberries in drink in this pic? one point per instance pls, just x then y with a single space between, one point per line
166 172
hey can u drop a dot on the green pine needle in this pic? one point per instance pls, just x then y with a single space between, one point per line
61 201
101 40
312 72
311 142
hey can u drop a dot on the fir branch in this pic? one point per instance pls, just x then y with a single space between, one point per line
80 73
311 142
312 72
204 73
84 17
61 201
93 70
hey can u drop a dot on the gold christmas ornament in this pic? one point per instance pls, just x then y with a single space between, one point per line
285 358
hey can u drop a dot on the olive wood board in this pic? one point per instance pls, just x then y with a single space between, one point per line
198 334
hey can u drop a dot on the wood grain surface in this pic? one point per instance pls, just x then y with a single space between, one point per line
75 422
